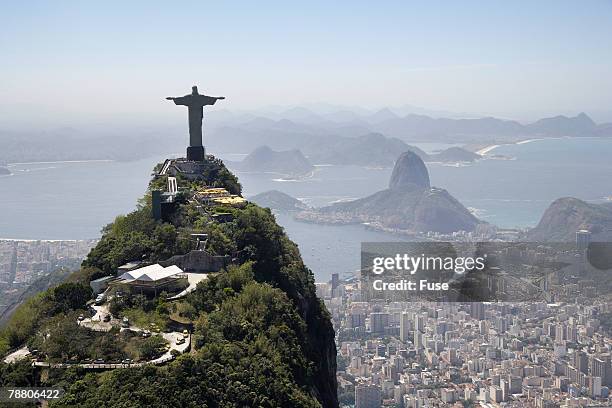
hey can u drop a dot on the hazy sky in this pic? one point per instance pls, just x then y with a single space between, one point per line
513 58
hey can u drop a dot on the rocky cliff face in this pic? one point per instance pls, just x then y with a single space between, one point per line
409 173
410 204
567 215
417 210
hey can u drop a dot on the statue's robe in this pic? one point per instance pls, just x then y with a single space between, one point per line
194 104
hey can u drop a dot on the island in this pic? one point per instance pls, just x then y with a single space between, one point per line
288 163
277 200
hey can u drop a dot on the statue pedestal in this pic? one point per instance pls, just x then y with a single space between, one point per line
195 153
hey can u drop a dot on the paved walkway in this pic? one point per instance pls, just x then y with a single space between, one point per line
171 337
193 279
97 323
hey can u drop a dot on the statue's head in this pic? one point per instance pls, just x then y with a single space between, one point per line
194 90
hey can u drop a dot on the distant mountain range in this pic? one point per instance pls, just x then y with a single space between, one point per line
296 128
299 131
372 149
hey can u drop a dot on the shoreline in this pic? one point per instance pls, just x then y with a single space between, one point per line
62 162
169 155
486 150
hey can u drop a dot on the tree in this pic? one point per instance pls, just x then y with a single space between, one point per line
262 337
218 242
71 296
150 347
62 339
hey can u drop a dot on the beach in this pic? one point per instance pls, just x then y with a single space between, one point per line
484 151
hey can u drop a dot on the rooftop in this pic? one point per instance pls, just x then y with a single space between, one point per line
151 273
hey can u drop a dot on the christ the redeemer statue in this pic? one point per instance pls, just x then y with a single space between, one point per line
195 102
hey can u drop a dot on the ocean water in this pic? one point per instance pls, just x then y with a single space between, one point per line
510 192
69 200
515 193
74 200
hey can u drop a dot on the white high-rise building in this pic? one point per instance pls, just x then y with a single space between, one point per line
419 322
583 239
595 387
405 326
418 340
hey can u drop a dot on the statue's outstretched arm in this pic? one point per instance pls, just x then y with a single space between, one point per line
214 99
179 100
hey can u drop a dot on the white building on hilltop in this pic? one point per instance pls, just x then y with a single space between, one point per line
154 278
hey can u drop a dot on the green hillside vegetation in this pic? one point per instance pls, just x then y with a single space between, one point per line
261 336
63 340
29 317
39 285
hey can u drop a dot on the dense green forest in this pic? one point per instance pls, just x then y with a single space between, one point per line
261 336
